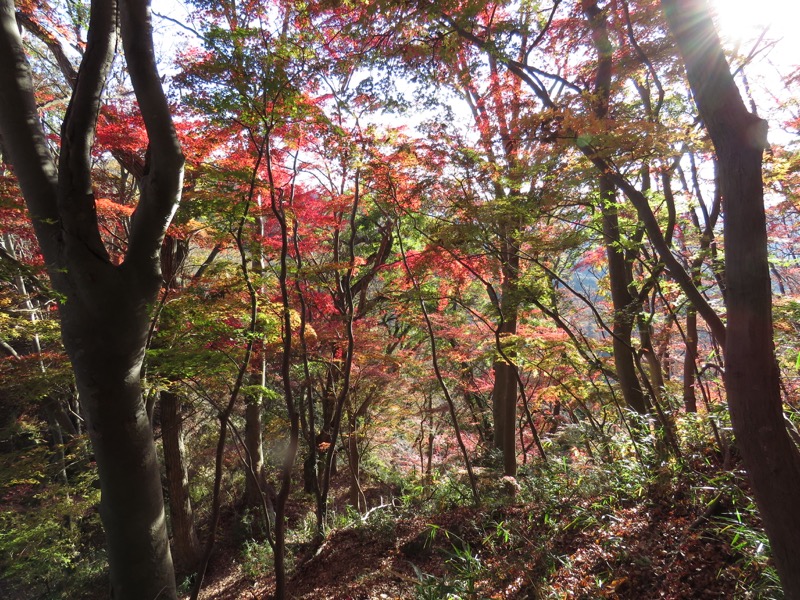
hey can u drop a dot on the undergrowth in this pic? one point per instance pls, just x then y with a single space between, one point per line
574 526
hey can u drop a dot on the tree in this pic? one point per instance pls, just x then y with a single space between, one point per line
752 378
186 544
105 306
619 261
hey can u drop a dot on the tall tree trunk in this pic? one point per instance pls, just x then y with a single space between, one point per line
653 364
357 499
186 545
428 468
506 388
619 274
255 477
624 304
752 378
105 308
504 401
186 548
58 442
104 329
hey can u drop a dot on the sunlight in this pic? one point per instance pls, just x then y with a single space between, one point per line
743 21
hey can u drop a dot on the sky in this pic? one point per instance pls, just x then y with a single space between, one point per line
741 23
738 21
745 19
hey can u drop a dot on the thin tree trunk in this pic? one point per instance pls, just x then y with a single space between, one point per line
255 480
440 378
357 499
619 275
255 477
58 441
343 297
186 545
225 414
653 364
689 362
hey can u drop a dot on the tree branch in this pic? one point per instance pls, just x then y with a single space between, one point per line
23 138
75 195
55 47
163 175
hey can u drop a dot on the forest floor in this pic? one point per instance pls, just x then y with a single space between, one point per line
570 533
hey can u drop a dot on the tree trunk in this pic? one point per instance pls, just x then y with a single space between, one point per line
104 307
104 330
622 301
506 387
357 499
689 365
504 413
60 458
752 378
186 545
255 481
654 368
619 275
255 476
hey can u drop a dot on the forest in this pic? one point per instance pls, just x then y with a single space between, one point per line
463 299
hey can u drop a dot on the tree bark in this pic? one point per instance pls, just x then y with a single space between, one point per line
504 410
186 545
618 268
624 304
105 308
654 366
106 352
255 476
255 481
356 494
752 378
506 388
689 362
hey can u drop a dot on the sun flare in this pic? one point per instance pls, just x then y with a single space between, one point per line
743 21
